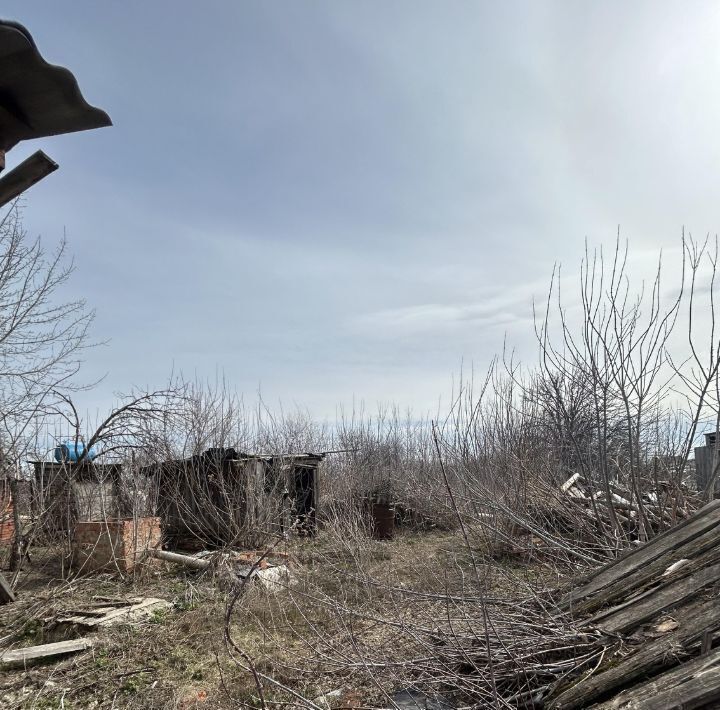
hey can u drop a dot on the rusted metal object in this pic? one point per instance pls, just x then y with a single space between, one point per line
383 521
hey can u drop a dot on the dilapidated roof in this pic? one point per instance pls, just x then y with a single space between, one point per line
38 99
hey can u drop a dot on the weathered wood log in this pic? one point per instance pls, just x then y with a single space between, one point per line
186 560
655 655
694 684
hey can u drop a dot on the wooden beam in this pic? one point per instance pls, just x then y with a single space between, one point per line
650 574
629 615
654 656
694 684
707 518
25 175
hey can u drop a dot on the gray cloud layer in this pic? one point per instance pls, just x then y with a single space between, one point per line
331 200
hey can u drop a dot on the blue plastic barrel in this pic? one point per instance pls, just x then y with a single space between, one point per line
70 451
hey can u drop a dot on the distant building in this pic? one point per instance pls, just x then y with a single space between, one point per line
706 461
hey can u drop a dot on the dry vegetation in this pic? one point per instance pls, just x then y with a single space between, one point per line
462 604
353 601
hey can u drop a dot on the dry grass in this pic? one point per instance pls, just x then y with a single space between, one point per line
350 595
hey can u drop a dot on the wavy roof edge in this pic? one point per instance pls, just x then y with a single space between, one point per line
37 98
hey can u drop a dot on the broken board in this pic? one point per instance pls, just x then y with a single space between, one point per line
130 611
30 654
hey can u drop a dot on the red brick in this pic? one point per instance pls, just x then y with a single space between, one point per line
114 544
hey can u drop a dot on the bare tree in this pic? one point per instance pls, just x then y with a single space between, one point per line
42 339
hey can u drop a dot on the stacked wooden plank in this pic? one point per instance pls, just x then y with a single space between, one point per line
109 612
657 610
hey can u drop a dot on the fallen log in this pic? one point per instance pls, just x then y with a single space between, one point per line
177 558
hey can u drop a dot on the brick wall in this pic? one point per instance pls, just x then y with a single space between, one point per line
114 544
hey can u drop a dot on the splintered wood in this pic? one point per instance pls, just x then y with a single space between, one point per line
31 654
111 612
657 619
636 515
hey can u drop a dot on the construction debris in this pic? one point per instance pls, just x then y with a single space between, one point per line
274 579
237 566
31 654
637 516
110 612
654 617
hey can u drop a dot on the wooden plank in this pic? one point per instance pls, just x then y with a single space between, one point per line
694 620
6 592
652 572
705 519
128 614
630 615
570 482
23 656
694 684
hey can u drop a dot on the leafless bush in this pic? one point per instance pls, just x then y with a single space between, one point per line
614 400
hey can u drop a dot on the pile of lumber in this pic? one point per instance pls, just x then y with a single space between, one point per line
637 633
109 611
658 505
99 613
657 612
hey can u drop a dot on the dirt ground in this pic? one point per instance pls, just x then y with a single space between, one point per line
178 658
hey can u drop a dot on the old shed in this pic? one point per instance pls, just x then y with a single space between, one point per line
223 496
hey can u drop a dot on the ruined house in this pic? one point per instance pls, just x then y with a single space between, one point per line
66 493
224 497
706 461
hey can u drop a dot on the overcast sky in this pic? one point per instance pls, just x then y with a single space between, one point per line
338 200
